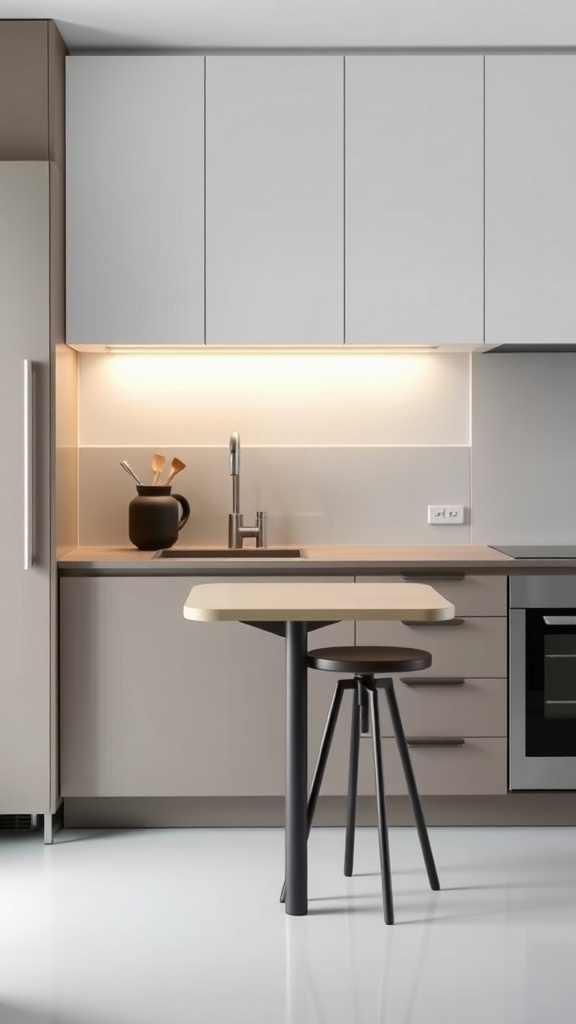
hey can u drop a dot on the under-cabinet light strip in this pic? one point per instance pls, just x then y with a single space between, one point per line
205 350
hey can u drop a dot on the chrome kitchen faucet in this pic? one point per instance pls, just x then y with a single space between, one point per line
236 530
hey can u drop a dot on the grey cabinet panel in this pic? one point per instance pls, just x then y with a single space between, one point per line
135 200
25 628
155 705
24 122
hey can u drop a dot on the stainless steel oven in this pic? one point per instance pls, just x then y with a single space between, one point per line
542 682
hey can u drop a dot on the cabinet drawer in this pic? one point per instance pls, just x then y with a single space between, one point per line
461 707
477 767
470 595
475 647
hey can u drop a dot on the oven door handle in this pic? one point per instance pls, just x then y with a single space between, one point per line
560 620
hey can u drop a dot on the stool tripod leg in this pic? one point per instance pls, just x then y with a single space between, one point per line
352 782
412 788
320 768
381 807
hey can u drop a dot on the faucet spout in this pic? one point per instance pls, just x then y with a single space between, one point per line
236 529
234 449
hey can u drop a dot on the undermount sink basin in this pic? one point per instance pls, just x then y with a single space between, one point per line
230 553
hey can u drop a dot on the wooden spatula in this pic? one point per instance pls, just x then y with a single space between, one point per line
158 463
176 466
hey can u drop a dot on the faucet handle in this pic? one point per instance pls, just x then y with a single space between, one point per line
261 527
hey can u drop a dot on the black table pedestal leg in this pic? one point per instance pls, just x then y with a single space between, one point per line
296 769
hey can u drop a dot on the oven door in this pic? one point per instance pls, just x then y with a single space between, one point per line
543 698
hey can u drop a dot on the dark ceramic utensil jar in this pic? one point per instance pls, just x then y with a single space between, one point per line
155 517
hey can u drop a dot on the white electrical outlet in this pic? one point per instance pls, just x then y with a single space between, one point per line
445 515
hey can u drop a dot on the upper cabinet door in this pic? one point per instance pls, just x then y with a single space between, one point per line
414 200
274 200
530 207
135 200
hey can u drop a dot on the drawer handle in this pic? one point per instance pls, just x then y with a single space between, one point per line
413 576
435 741
431 681
441 622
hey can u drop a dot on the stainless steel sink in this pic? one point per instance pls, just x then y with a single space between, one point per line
230 553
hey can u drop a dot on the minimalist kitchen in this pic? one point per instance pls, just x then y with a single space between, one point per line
301 319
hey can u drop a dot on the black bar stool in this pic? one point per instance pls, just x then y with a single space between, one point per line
363 662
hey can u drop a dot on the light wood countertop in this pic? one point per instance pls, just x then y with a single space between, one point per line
310 601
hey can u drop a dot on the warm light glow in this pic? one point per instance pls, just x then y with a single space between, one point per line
272 372
286 398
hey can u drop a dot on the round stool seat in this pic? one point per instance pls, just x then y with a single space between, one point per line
366 660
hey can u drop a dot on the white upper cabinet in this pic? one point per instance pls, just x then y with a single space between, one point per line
274 200
414 200
530 205
135 200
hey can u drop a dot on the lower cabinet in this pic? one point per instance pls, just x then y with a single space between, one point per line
455 712
152 704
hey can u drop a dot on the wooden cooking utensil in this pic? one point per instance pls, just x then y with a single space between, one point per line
176 466
158 463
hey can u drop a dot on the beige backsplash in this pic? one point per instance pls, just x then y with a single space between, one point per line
341 448
364 495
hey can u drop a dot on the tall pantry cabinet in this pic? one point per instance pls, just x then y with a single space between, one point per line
31 335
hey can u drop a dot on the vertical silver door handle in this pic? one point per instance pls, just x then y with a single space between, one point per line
28 464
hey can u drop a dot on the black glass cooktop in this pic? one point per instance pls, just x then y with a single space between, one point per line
536 550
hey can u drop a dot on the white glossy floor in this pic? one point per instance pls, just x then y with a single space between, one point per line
184 927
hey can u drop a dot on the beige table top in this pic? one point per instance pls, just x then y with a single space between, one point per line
309 601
